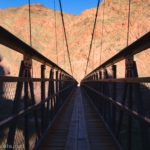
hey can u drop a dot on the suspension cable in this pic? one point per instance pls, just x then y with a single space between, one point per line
56 32
92 36
102 31
30 31
93 58
30 23
131 32
63 22
64 65
128 25
130 59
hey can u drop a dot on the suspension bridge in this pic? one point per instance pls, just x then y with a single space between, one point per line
103 113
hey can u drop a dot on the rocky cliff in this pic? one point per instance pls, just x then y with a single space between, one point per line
79 30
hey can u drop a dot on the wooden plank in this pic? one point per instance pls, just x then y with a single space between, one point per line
79 127
57 135
77 137
99 137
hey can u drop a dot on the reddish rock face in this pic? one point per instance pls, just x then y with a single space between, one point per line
79 30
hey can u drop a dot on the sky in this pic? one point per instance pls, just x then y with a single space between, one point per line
69 6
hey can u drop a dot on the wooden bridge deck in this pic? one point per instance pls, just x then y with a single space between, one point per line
78 127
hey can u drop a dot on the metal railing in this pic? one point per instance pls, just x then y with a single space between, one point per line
28 105
123 103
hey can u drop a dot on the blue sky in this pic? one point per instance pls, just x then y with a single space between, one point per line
69 6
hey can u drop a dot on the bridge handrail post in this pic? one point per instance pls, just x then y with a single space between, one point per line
19 87
57 90
140 108
51 90
105 91
42 98
60 87
114 90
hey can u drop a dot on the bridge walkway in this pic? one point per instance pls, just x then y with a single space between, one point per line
78 127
